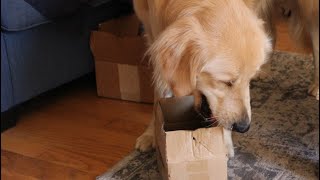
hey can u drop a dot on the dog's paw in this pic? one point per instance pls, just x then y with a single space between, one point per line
264 73
314 90
228 142
145 143
230 150
261 76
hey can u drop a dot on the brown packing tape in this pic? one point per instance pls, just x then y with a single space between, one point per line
197 166
219 168
107 79
210 169
129 82
124 82
135 83
202 176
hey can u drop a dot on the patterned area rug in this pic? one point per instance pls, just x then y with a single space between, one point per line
283 141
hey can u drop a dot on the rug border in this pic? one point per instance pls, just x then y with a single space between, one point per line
118 166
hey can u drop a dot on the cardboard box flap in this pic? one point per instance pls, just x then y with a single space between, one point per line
123 26
126 50
185 145
179 114
160 137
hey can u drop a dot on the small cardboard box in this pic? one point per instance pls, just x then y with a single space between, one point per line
198 154
121 71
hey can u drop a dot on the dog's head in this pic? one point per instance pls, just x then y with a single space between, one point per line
214 61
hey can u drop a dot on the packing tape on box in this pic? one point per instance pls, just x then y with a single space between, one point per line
129 82
197 170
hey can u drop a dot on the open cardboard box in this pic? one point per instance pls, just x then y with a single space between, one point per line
189 152
121 71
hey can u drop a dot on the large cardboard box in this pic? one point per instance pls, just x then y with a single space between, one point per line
121 70
192 154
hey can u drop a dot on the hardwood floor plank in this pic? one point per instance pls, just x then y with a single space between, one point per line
285 43
90 141
16 166
5 174
76 142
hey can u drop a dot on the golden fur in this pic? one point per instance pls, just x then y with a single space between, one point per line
303 20
208 47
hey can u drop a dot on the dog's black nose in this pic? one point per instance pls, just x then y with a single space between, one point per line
243 125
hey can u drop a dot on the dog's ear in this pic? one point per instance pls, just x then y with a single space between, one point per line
175 56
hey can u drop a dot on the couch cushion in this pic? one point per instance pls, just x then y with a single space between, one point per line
55 8
6 81
19 15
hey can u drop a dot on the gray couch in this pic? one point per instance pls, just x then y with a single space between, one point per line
45 43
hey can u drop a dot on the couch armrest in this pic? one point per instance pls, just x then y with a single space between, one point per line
6 83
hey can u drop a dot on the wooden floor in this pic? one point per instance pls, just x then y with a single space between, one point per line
70 133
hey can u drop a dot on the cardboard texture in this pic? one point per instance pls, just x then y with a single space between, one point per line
186 154
121 71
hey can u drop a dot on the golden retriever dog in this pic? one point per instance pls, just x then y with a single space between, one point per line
303 21
207 48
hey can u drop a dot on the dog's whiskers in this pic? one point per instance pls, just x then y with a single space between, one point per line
212 124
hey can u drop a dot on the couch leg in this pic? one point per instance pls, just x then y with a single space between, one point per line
9 119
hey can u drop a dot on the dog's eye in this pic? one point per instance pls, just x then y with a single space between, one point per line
229 83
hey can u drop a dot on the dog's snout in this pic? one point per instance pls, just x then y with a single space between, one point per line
243 125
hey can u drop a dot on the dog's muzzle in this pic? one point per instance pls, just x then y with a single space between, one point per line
243 125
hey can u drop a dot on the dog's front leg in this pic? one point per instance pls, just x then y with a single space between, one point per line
265 70
227 136
147 140
314 87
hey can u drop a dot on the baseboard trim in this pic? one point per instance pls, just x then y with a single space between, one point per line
9 119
